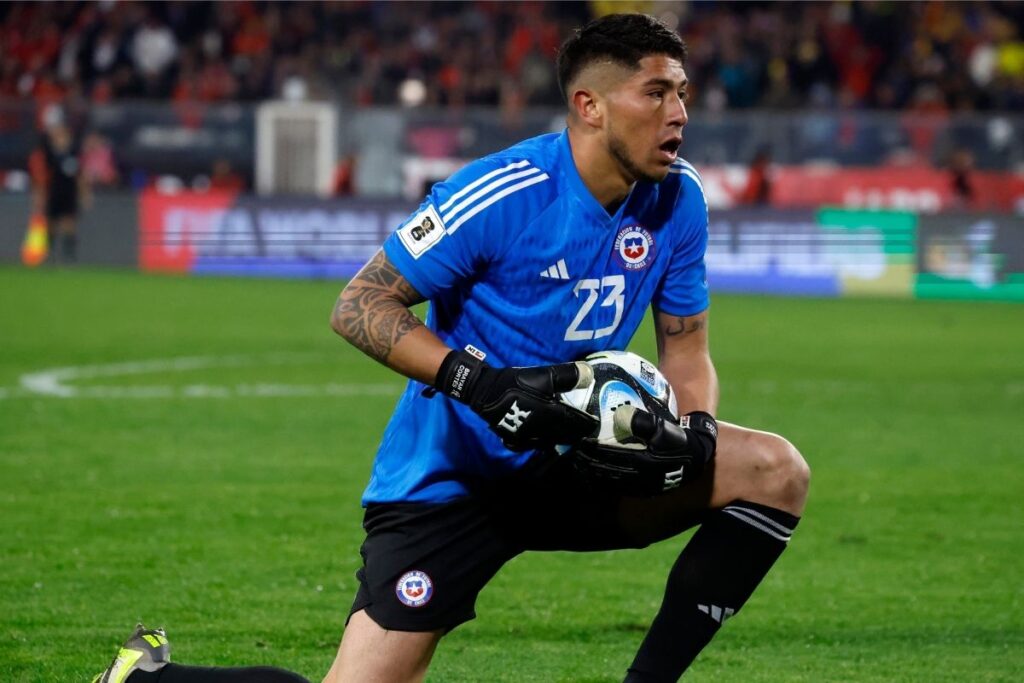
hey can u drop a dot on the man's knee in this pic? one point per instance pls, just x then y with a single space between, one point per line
781 473
369 652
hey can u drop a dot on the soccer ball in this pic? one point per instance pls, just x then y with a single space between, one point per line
621 378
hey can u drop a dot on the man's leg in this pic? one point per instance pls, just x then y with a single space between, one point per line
423 567
368 654
180 673
68 238
372 654
146 655
748 504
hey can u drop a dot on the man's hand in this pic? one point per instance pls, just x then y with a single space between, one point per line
693 439
673 454
520 404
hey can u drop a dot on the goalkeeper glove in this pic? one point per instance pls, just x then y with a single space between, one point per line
694 439
520 405
673 454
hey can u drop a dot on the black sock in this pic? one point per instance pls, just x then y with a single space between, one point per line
715 574
51 242
179 673
69 245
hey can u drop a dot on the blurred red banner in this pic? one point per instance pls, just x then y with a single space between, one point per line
921 189
169 224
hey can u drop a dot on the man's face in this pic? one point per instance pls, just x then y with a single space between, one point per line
644 117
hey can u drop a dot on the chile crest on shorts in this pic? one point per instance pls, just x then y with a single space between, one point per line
635 247
414 589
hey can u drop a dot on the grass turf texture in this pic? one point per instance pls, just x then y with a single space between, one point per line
235 521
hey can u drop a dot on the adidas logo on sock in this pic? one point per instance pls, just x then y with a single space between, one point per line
558 271
717 613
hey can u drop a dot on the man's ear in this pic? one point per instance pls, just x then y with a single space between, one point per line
585 106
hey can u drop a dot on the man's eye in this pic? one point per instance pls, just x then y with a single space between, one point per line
656 93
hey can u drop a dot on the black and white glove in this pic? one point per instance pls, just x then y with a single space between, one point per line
520 404
673 454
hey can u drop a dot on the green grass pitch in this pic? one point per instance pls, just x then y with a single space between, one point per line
218 495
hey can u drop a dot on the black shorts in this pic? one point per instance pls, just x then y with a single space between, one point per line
60 204
425 563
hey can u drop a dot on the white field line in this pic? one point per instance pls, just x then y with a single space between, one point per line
56 382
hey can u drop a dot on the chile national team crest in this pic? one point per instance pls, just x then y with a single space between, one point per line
635 247
414 589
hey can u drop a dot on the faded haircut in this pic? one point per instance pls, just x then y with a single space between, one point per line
624 39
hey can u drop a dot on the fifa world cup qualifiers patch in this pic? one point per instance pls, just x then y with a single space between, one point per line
422 231
414 589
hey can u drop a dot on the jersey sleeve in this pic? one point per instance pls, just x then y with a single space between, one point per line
463 223
684 289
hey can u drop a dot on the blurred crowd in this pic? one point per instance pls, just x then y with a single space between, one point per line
932 56
927 56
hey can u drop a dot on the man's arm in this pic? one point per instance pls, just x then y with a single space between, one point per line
684 359
372 313
519 404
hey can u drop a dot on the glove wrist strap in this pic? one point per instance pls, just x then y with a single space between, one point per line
701 422
458 375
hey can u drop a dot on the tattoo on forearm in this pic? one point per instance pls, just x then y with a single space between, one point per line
373 311
680 326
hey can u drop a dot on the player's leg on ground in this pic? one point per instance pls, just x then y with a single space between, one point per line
180 673
748 504
146 658
372 654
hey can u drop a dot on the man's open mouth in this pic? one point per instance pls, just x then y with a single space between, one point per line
671 146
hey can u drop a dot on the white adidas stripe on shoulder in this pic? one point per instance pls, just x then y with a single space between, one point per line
487 189
683 163
683 167
480 206
480 181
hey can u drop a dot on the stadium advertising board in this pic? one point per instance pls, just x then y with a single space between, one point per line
830 252
970 256
224 234
925 190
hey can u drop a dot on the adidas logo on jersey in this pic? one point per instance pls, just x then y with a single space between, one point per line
558 271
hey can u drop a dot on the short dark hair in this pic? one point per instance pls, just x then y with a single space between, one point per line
621 38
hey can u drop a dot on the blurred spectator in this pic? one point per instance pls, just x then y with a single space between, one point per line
98 166
344 177
60 186
961 169
758 189
154 50
225 178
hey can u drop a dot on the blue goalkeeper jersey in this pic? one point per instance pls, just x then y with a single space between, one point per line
520 261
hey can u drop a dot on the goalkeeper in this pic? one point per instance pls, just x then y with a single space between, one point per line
531 258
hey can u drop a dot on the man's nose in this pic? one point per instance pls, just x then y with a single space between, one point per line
677 115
